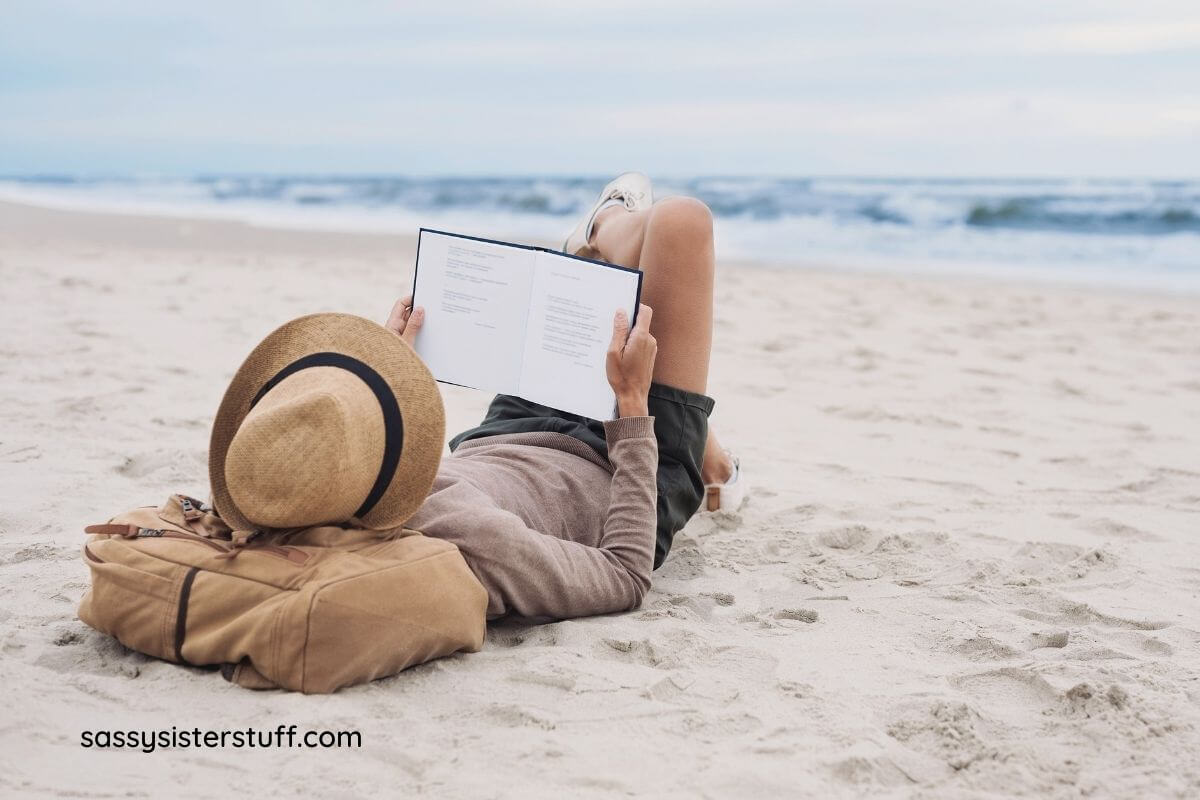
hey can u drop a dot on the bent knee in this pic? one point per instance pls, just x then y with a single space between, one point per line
682 216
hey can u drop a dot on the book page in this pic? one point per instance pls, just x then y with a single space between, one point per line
476 299
571 309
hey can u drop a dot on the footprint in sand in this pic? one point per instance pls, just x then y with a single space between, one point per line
953 732
671 652
687 560
862 572
1116 529
1036 563
1136 641
850 537
688 607
1008 691
1058 610
1038 640
984 648
1116 707
720 598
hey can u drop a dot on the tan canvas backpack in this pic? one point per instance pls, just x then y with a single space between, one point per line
312 610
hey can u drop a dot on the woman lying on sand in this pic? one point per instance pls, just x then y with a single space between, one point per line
556 514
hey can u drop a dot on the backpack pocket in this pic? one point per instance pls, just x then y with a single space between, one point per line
229 618
139 607
425 605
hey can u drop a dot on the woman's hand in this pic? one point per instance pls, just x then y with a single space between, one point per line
630 362
405 320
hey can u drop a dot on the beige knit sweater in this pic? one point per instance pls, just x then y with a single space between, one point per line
550 529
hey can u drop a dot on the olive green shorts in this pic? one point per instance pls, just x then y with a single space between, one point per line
680 425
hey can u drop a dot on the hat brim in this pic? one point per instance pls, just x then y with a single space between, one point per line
408 378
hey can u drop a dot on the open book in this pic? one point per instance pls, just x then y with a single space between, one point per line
527 321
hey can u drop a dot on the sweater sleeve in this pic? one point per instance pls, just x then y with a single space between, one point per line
538 576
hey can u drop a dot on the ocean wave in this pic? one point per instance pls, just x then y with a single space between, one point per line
1039 214
1136 228
1084 207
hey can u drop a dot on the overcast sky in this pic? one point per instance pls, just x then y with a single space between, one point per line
910 87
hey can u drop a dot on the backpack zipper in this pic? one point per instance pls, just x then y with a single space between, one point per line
291 554
287 553
155 533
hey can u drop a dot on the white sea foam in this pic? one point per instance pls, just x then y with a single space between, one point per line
1131 233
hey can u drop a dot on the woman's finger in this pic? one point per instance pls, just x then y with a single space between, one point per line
620 331
413 326
644 315
395 321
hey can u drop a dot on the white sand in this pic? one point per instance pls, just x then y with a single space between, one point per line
970 564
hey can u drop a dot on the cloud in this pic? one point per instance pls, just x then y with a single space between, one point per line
927 85
1116 38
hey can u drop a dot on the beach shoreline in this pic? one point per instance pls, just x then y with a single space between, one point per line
1123 233
178 230
968 560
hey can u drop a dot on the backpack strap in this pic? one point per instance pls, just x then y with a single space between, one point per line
124 531
238 541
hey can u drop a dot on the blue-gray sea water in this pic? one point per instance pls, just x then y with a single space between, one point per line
1140 233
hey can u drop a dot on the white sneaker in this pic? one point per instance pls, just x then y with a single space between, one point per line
631 191
728 496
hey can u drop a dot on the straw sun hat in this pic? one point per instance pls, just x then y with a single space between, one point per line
331 419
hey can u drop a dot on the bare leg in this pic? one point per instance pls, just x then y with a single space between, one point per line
717 466
672 244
